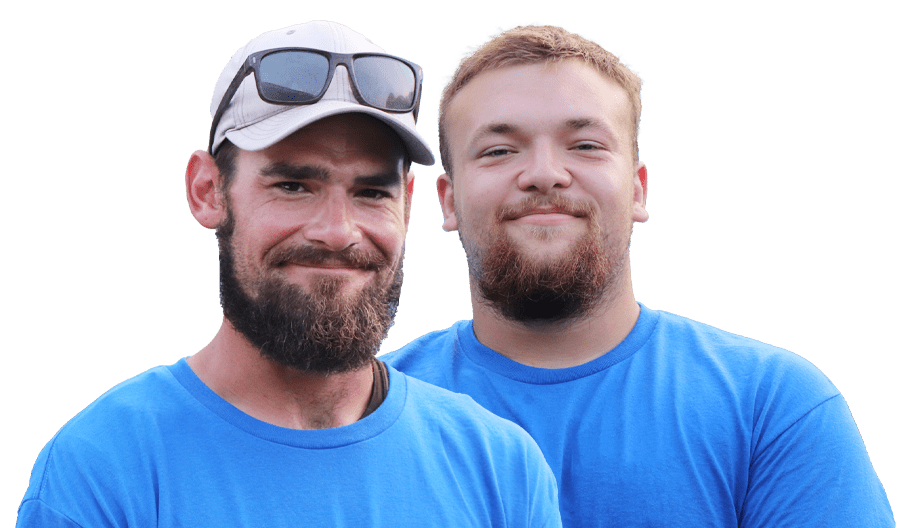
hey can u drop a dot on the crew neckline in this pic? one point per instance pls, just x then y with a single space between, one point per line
365 428
466 341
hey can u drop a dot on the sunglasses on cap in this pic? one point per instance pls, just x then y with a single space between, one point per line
301 76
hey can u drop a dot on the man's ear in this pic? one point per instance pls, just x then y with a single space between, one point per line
203 189
640 196
446 191
409 194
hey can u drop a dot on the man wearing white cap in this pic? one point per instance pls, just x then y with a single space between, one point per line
286 417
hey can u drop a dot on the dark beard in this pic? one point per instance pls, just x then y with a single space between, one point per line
526 291
315 332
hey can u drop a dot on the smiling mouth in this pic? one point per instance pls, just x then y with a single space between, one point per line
544 218
328 266
543 215
544 211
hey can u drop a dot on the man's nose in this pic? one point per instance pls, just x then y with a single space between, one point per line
544 171
332 223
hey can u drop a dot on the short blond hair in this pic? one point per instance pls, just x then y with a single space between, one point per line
531 45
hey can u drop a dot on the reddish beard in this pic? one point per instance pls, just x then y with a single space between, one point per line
530 290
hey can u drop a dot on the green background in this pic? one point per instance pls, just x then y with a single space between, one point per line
771 135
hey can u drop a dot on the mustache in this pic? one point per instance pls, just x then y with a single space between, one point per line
559 202
310 255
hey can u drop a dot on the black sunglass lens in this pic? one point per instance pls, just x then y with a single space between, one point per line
292 76
385 82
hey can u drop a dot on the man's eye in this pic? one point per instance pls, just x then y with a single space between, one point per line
495 153
375 194
586 146
291 187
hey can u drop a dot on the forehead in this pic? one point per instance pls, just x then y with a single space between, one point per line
346 143
540 95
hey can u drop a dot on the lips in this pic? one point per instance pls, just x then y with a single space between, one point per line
543 211
330 265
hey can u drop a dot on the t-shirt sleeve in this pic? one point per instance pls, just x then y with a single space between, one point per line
36 514
76 482
816 473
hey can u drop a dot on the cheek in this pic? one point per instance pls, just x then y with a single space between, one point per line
387 231
613 201
275 223
391 239
258 233
260 218
491 185
480 199
467 211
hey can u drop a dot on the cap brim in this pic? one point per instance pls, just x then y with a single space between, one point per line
269 131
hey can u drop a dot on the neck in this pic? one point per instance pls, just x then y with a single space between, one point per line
277 394
564 344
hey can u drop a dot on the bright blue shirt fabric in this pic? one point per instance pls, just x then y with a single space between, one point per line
163 450
681 424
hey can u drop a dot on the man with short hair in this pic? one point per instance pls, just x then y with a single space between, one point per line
646 418
286 418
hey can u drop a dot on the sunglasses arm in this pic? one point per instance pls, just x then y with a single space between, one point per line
226 100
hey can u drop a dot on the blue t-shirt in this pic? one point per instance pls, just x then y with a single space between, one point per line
680 425
164 450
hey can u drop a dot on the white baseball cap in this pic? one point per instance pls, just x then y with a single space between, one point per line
254 124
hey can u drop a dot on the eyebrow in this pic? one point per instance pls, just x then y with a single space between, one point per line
287 171
493 129
597 124
294 172
384 179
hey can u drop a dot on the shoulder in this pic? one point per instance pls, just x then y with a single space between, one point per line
458 414
133 400
697 334
774 386
115 417
106 441
744 357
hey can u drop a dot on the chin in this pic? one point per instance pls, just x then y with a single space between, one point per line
562 235
546 251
